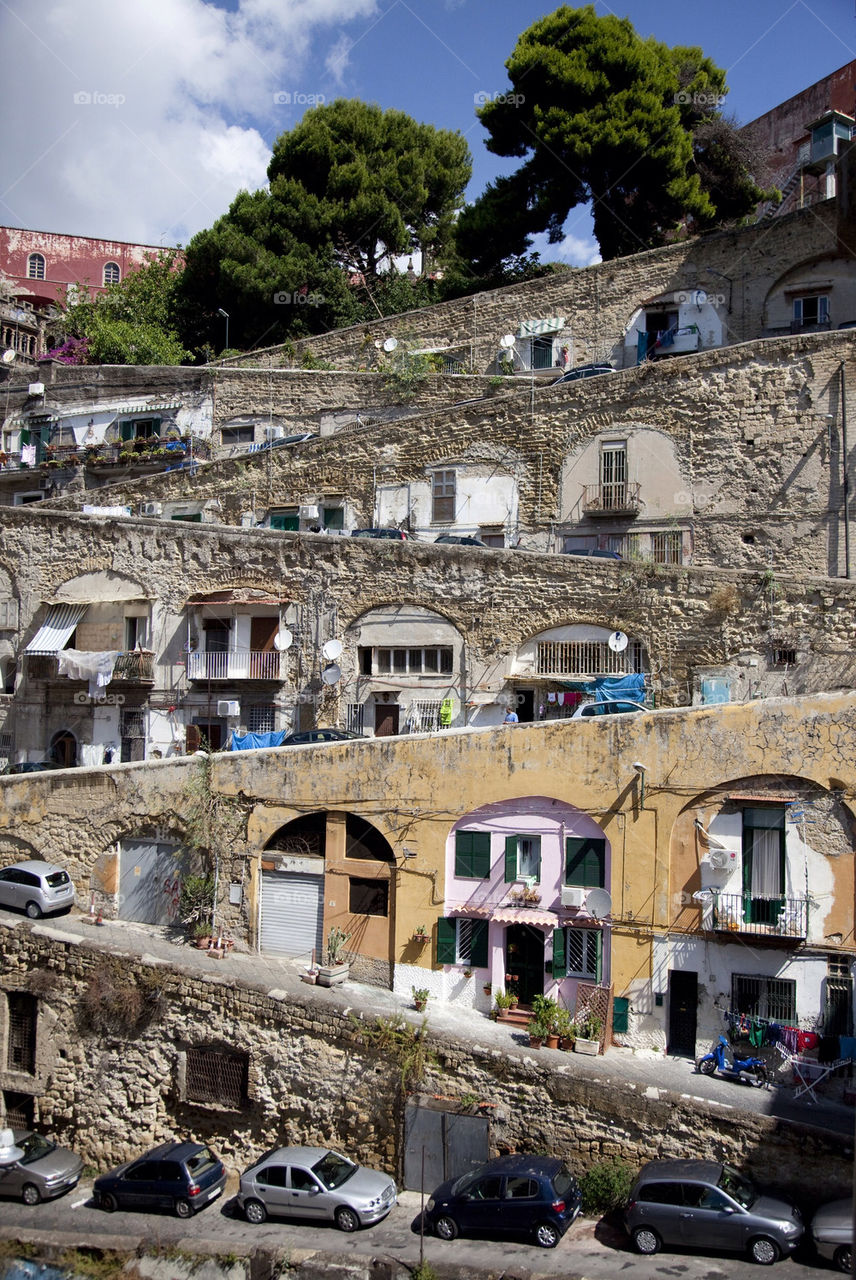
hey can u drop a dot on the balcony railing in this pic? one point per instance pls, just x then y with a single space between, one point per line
761 915
614 498
240 664
589 658
138 665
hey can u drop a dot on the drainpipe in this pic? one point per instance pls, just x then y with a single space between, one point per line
846 478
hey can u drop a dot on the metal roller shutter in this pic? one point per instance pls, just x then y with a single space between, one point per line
292 913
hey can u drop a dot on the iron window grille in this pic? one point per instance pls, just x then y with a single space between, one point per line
773 998
355 717
261 719
19 1110
582 953
217 1076
21 1050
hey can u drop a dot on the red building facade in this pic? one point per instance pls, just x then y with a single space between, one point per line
39 266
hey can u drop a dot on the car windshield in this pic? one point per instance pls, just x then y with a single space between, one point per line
738 1187
34 1147
334 1170
56 878
465 1182
198 1163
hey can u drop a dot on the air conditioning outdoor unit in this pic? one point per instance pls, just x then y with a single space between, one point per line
720 859
152 508
572 896
228 708
274 433
308 512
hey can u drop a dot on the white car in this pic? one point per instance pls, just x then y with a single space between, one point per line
36 888
613 707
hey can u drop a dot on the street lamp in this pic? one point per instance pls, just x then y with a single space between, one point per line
225 315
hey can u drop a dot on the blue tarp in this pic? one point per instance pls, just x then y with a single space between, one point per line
251 741
608 688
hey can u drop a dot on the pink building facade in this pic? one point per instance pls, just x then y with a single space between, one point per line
39 266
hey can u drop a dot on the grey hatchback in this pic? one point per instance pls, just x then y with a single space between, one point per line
36 887
43 1171
701 1204
312 1182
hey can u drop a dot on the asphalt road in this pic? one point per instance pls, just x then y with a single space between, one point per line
591 1249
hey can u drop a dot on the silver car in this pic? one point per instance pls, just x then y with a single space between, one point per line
36 887
832 1233
313 1182
43 1171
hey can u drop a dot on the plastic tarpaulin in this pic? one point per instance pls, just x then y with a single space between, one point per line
609 688
252 741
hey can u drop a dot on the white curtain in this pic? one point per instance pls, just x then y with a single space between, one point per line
766 880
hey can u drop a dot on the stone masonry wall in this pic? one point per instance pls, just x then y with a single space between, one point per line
313 1079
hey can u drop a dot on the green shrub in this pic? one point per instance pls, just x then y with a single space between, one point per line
606 1186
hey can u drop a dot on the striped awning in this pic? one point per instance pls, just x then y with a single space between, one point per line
56 629
550 324
525 915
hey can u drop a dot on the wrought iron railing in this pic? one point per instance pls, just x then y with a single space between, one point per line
239 664
616 495
759 914
583 658
137 664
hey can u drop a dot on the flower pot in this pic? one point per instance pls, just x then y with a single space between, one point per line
535 1042
552 1042
502 1013
591 1047
311 978
203 943
566 1043
419 1005
330 975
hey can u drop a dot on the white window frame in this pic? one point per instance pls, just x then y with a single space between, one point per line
36 266
588 952
444 489
115 273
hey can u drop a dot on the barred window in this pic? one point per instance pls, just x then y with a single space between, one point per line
261 719
36 266
667 548
21 1050
217 1076
582 953
586 658
430 661
354 716
774 998
424 716
112 274
19 1110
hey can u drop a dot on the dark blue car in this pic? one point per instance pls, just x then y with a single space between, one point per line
534 1196
181 1176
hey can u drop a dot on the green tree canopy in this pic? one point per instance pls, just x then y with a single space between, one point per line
597 113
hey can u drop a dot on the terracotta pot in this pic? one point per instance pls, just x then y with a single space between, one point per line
535 1042
552 1042
203 943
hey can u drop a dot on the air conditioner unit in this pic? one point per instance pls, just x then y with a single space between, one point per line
228 708
719 859
572 896
308 512
274 433
36 389
152 508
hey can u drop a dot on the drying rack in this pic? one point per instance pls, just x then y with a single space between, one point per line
808 1072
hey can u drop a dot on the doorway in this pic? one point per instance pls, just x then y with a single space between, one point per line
683 1012
386 719
524 959
526 705
64 749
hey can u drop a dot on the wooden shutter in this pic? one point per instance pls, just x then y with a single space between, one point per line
585 861
560 954
447 940
510 859
126 430
192 737
478 944
472 854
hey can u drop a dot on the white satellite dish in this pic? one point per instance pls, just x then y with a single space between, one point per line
703 895
331 674
617 642
9 356
507 341
699 297
598 903
378 344
331 649
390 344
283 640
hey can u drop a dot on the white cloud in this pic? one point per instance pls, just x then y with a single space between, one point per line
141 122
577 251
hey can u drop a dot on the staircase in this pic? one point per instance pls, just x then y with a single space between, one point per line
519 1017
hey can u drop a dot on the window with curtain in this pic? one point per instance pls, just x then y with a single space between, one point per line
522 858
763 864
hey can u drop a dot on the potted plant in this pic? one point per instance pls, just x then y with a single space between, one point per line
420 934
503 1001
420 997
335 969
589 1028
539 1029
565 1029
529 896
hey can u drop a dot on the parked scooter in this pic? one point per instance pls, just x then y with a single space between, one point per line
721 1059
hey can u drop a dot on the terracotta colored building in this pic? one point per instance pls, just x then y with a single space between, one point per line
39 266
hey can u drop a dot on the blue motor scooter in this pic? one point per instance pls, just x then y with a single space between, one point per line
721 1059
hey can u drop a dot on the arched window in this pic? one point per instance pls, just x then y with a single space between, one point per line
111 273
36 267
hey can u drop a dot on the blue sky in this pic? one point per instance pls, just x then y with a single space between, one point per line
141 122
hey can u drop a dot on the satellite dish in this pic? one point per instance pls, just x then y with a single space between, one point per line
507 341
331 674
699 297
9 356
9 1153
378 344
390 344
331 649
617 642
283 640
703 895
598 903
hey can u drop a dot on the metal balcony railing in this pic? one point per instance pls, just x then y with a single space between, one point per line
761 915
239 664
138 665
618 496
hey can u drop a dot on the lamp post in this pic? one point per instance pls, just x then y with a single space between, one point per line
225 315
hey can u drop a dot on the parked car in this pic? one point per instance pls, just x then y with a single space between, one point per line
534 1196
319 735
461 540
182 1176
43 1172
597 553
30 766
36 887
295 439
832 1233
612 707
398 534
701 1204
313 1182
584 371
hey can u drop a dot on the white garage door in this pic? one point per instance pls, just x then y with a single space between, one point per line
292 913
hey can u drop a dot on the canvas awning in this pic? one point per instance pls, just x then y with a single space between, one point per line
525 915
55 631
549 324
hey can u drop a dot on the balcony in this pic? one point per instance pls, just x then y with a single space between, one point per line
616 498
239 664
760 916
137 666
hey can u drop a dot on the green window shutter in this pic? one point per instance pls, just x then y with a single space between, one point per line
472 854
447 940
538 867
585 862
289 523
333 517
598 967
478 945
560 954
621 1014
126 430
510 859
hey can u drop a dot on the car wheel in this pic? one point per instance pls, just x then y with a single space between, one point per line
183 1209
33 910
255 1212
30 1194
547 1235
446 1228
107 1201
346 1219
706 1066
843 1258
646 1240
764 1251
